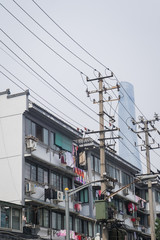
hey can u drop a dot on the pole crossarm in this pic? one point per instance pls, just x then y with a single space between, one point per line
102 131
99 78
73 191
109 100
110 138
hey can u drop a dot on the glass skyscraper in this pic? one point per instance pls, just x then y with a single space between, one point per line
126 111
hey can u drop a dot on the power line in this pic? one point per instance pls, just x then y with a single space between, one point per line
41 77
51 85
53 36
37 94
78 45
37 99
48 83
82 73
47 72
68 34
52 105
44 99
84 50
43 41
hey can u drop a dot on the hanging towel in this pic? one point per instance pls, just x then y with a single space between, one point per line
82 158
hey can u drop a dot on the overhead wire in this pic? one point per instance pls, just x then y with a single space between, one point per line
67 33
83 49
56 39
78 124
49 47
76 69
46 107
62 95
34 92
46 73
53 36
47 102
22 61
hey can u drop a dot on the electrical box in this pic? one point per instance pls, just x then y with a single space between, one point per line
101 209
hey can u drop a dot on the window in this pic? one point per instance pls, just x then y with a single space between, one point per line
118 205
95 164
45 136
63 142
60 182
43 217
16 219
36 173
85 227
54 180
90 229
78 225
52 140
37 131
157 196
6 213
126 179
40 217
98 228
84 195
42 175
5 217
30 171
113 172
95 194
57 221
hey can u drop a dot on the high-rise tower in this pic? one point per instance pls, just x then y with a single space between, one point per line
126 111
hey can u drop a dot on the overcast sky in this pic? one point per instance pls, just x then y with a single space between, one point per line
122 35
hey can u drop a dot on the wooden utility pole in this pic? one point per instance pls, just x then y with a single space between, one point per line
147 147
102 135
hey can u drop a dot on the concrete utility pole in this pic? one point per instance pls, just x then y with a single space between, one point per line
147 147
102 133
102 147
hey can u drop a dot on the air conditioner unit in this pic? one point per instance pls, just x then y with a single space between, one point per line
126 191
60 196
31 144
30 188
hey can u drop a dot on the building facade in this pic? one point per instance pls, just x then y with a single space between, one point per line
41 156
126 110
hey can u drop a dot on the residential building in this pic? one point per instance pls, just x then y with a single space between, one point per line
41 156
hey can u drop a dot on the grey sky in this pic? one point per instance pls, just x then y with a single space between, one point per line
124 35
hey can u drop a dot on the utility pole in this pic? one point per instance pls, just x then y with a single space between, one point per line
146 148
150 194
102 146
102 133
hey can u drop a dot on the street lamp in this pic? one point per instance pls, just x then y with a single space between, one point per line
69 193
